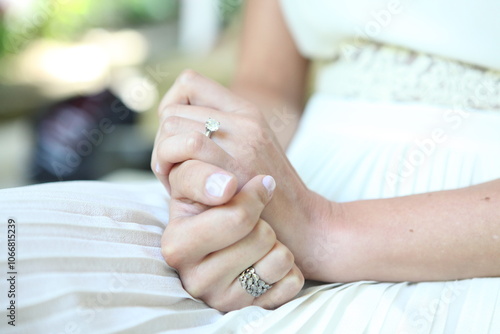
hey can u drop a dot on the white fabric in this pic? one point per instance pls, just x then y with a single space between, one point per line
363 150
466 30
89 256
88 261
384 73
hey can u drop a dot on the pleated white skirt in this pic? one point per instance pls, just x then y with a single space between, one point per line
88 253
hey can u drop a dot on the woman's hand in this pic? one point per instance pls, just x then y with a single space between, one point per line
211 246
245 145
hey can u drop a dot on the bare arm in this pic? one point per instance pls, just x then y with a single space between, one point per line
271 73
433 236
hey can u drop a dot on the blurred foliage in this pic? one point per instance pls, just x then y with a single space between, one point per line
68 19
229 8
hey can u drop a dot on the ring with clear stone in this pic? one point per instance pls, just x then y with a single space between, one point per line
211 125
252 283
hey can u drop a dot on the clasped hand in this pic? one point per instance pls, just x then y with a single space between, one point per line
225 210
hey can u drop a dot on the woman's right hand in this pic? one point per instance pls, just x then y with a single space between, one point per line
214 234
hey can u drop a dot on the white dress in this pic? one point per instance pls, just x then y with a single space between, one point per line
88 253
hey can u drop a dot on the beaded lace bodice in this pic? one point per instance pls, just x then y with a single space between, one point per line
374 72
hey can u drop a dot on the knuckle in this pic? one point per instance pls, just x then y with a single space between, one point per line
171 248
259 136
187 76
251 110
170 125
203 285
297 278
195 285
219 302
172 255
240 216
166 111
265 233
294 282
284 255
254 128
195 142
257 126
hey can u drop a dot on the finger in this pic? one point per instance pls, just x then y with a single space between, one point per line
218 227
239 256
220 268
275 264
176 119
173 113
179 119
189 146
174 125
169 127
201 182
193 88
282 291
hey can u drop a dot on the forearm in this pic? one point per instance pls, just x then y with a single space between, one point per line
434 236
271 72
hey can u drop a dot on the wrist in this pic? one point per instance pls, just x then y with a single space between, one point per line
324 237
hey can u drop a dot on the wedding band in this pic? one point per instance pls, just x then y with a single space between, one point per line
211 125
252 283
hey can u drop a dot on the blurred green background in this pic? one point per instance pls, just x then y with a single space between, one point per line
55 50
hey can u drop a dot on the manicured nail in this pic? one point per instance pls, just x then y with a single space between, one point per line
269 183
158 168
217 183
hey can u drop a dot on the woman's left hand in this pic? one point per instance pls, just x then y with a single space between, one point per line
245 145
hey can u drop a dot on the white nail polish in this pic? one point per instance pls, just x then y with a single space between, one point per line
158 168
216 184
270 184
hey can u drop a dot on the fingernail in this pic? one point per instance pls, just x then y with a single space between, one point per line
158 168
269 183
216 184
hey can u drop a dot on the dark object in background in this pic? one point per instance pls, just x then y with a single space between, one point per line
87 137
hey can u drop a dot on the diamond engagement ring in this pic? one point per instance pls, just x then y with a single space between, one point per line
252 283
211 125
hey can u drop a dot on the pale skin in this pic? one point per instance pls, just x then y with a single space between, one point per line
443 235
211 246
